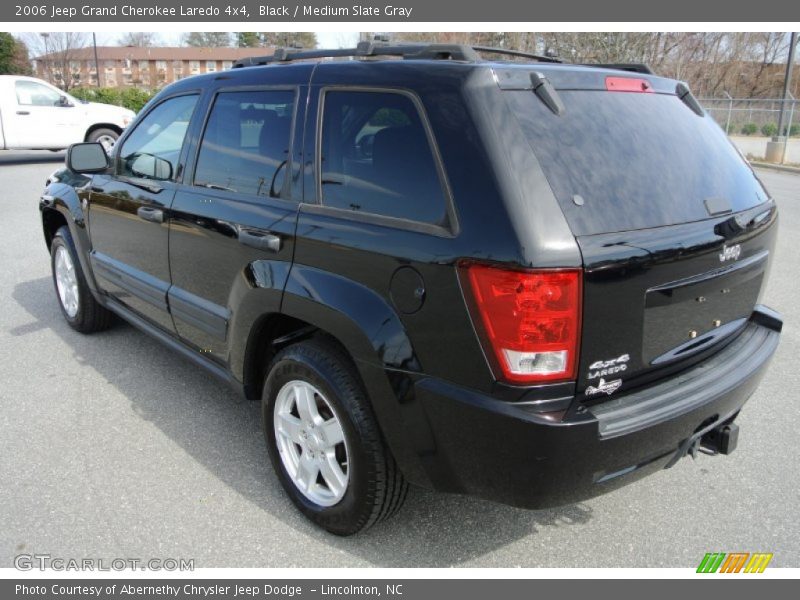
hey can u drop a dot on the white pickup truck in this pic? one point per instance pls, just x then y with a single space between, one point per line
34 115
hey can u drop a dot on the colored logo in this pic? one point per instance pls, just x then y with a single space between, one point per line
735 562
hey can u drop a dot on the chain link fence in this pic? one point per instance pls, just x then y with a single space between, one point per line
754 117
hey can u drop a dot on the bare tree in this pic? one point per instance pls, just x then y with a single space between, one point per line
211 39
58 53
140 39
741 64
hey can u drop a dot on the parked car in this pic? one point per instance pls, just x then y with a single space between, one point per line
530 282
34 115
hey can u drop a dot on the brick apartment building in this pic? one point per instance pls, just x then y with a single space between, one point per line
130 66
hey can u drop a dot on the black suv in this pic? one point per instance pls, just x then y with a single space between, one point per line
528 281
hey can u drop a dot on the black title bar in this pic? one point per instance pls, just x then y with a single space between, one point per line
442 11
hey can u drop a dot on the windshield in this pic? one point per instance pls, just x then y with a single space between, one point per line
635 160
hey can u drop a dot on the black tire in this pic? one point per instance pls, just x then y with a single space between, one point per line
98 134
376 488
90 316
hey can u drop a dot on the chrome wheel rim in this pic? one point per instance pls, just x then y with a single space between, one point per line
66 281
107 142
311 443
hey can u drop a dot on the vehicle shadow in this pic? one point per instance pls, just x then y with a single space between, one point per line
11 157
223 432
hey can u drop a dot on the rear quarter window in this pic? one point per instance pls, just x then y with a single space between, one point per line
376 157
636 160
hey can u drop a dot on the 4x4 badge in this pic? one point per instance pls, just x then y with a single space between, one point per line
601 368
604 387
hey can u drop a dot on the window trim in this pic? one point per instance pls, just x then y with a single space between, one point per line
450 229
189 179
140 118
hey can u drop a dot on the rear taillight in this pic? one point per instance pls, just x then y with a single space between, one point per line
530 320
628 84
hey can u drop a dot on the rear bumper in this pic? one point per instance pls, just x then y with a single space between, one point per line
499 451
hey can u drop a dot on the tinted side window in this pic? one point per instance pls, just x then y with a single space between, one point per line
30 93
153 148
376 157
246 142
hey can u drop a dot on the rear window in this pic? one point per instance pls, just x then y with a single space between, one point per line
635 160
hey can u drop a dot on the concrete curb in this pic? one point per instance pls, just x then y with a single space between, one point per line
783 168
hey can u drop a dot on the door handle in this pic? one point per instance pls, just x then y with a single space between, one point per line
23 112
262 240
154 215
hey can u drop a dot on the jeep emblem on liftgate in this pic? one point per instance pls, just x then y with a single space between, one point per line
730 253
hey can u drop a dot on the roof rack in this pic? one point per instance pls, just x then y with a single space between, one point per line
380 48
409 51
368 49
507 52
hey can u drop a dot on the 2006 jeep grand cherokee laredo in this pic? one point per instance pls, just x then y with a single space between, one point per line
531 282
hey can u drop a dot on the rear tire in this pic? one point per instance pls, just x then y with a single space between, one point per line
374 488
80 309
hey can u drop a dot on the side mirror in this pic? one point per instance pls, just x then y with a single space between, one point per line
64 101
151 167
87 158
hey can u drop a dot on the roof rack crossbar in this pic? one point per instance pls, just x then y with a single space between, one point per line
367 49
508 52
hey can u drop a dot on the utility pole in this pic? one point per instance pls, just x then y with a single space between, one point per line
776 148
96 62
787 81
46 57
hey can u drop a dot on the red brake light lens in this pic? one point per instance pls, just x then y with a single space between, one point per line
628 84
531 320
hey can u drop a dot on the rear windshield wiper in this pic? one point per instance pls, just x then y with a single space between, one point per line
545 91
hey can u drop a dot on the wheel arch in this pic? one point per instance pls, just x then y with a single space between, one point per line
60 206
95 126
368 331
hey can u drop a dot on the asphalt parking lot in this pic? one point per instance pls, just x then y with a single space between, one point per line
112 446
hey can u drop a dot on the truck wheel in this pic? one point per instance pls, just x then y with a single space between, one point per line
80 309
106 137
324 442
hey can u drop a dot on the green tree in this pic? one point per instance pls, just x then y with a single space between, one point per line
13 56
211 39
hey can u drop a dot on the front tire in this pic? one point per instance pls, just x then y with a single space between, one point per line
80 309
324 442
106 137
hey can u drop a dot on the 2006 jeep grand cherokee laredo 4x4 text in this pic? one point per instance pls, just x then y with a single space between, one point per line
531 282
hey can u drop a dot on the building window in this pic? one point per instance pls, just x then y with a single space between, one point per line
194 66
227 64
211 66
161 65
109 65
144 65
